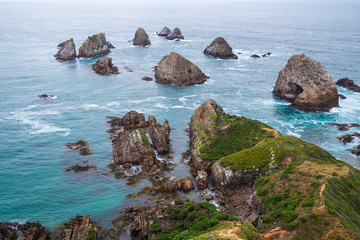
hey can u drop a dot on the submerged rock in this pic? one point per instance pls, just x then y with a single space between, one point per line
219 48
67 51
94 46
104 66
344 126
81 167
46 96
147 78
348 83
306 84
81 145
356 150
177 70
255 56
164 32
141 38
175 34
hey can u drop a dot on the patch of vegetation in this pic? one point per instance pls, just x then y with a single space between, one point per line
273 151
248 232
342 197
91 234
191 220
231 134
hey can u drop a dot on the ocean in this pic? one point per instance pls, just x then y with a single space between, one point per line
33 132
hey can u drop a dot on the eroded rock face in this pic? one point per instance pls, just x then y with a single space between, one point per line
67 51
219 48
26 231
175 184
175 34
78 228
104 66
348 83
164 32
160 135
130 141
225 178
141 38
94 46
201 179
202 119
177 70
306 84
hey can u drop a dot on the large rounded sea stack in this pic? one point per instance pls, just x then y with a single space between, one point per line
94 46
141 38
177 70
219 48
307 85
67 51
175 34
164 32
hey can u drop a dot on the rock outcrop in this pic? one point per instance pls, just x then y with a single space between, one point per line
219 48
201 179
130 141
81 145
94 46
104 66
164 32
67 51
46 96
26 231
348 83
175 184
255 56
141 38
175 34
177 70
81 167
78 228
306 84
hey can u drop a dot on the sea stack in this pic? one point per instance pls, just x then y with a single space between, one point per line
219 48
105 67
67 51
177 70
141 38
94 46
307 85
175 34
164 32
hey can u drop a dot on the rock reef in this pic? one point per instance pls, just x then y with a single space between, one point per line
81 145
164 32
177 70
104 66
348 83
67 51
306 84
141 38
95 45
175 35
219 48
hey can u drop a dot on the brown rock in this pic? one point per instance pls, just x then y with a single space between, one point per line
147 78
356 150
127 165
209 197
307 85
141 38
94 46
219 48
67 51
347 83
104 66
164 32
201 179
133 120
78 228
255 56
175 34
177 70
160 135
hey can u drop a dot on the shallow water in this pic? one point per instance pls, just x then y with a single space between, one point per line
34 131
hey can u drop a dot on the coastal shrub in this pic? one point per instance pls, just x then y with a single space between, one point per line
155 226
91 234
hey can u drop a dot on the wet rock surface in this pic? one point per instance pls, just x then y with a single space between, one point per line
79 228
201 179
349 84
164 32
147 78
81 167
219 48
175 184
141 38
255 56
175 35
104 66
344 126
95 45
67 51
356 150
46 96
306 84
81 145
177 70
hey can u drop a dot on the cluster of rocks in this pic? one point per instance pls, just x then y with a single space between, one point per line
130 139
306 84
262 55
104 66
175 184
177 70
81 167
171 35
81 145
344 126
95 45
348 83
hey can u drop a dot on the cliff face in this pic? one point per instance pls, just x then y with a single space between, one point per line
306 84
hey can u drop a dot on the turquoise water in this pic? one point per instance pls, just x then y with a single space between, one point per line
33 185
